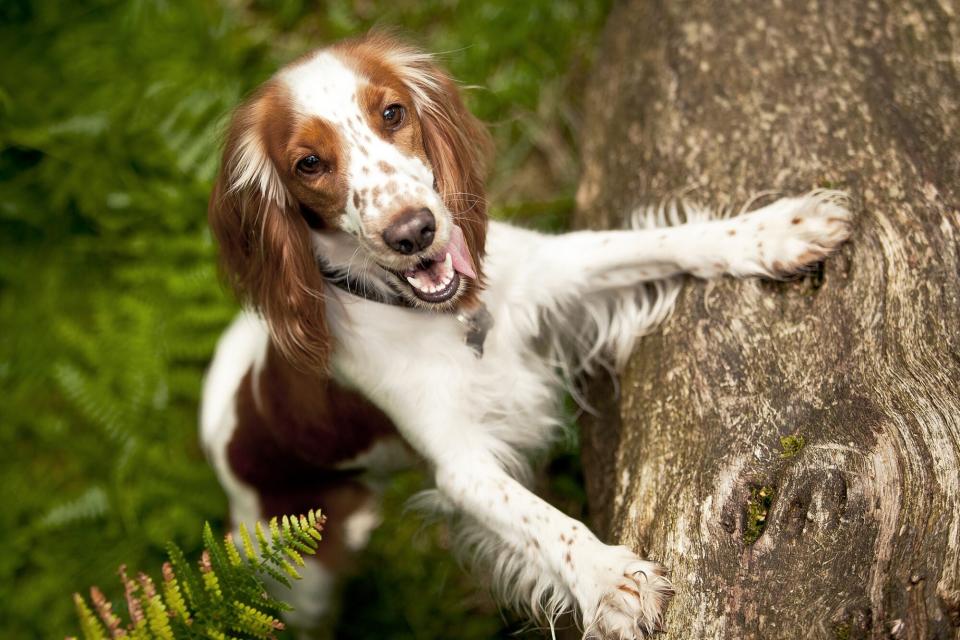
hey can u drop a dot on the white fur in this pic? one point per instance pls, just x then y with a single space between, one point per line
360 525
562 305
244 344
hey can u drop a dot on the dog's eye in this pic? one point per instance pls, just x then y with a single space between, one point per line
310 164
393 116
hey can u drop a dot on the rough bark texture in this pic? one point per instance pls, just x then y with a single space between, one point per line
859 531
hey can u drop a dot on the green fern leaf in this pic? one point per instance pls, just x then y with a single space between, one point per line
90 627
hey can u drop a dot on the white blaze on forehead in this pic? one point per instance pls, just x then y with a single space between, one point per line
323 86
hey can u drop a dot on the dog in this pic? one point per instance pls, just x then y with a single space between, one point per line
388 321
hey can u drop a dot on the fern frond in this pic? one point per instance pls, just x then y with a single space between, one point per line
276 575
254 621
261 538
90 627
192 588
222 596
105 611
130 589
171 594
289 569
154 609
218 556
247 543
296 557
210 580
275 529
140 631
232 552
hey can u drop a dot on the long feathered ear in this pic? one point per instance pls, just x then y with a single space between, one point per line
457 144
265 250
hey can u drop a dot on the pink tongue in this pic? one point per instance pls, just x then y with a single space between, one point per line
460 255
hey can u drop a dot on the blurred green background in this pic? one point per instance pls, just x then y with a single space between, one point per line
111 115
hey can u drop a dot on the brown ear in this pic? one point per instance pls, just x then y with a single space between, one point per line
265 249
457 143
458 146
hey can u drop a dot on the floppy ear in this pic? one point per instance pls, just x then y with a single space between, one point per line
457 144
265 249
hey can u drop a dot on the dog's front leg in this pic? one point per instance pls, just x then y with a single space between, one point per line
436 407
618 595
776 240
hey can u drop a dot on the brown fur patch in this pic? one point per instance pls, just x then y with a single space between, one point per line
265 250
324 192
384 88
292 436
303 427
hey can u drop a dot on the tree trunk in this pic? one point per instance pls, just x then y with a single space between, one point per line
790 450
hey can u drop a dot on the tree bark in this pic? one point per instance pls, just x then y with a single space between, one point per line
850 526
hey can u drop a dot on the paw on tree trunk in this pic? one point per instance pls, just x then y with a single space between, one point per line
789 450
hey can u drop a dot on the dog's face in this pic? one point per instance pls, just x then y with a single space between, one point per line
361 156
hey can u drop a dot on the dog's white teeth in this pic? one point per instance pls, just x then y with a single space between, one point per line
438 277
421 285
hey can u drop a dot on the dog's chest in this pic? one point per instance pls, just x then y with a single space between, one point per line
418 368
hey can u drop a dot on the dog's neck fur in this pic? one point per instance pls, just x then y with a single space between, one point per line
362 281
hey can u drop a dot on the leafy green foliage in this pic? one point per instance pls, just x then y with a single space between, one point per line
226 598
110 121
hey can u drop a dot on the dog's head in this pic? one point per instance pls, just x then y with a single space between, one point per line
363 157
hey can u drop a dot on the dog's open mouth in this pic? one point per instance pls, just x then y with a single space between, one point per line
437 279
434 280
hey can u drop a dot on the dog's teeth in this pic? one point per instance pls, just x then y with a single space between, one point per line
434 279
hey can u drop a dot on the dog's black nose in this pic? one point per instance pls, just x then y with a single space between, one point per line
411 231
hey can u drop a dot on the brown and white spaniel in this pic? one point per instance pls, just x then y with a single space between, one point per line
389 322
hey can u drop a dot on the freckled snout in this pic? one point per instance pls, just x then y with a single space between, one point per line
411 231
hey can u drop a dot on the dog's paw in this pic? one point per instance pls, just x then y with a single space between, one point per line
794 233
630 600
